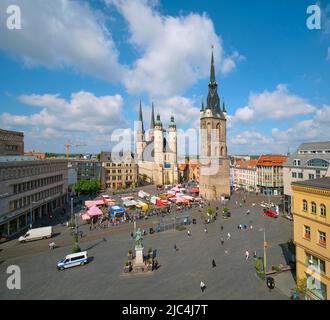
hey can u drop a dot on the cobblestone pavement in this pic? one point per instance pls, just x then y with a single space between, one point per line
179 274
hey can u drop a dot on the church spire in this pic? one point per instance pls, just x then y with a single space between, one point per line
141 127
202 109
212 73
152 122
213 101
223 106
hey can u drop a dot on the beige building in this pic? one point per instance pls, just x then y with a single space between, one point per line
270 174
156 155
30 187
311 220
118 174
214 180
11 143
310 161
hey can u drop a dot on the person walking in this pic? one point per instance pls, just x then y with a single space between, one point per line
228 236
213 264
188 233
205 230
247 254
175 249
254 254
221 227
222 241
203 286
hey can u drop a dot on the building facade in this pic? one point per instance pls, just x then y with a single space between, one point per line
214 180
189 170
310 161
156 155
30 189
311 221
270 174
118 173
244 174
11 143
86 169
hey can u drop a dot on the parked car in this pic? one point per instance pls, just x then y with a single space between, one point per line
270 213
36 234
73 260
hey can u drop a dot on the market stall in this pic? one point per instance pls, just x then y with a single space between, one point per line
117 213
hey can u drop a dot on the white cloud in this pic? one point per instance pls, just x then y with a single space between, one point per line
279 104
62 33
84 117
315 129
175 51
249 138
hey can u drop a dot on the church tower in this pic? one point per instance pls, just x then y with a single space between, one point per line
140 139
152 124
158 141
214 162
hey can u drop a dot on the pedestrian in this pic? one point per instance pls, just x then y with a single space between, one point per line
132 235
203 286
222 241
251 227
221 227
228 236
213 264
254 254
248 212
188 233
245 227
175 249
247 254
205 230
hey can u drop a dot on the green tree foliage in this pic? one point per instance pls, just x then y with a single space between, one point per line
87 186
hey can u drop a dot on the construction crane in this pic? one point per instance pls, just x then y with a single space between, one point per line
69 145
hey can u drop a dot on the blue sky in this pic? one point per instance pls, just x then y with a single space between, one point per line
77 70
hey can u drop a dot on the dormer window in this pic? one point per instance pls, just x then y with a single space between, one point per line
296 162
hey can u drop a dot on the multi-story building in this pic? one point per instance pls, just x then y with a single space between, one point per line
189 170
310 161
311 221
11 143
29 189
118 172
270 174
245 174
86 169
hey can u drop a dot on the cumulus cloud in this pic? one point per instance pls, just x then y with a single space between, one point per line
174 51
315 129
278 104
84 117
62 33
249 138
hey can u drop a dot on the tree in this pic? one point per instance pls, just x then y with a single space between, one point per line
87 186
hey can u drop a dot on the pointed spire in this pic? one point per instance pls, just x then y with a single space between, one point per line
202 104
152 122
141 127
212 73
223 106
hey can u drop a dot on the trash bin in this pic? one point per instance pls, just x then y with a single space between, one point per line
270 282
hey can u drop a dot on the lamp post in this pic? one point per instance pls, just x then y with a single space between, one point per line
265 247
71 208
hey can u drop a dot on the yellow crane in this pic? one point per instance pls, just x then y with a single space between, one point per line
69 145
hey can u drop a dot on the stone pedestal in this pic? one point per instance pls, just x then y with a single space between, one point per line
138 256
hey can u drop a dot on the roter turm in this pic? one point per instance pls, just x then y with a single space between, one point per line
214 179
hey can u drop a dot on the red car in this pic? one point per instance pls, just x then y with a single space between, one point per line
270 213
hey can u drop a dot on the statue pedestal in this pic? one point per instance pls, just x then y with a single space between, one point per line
139 256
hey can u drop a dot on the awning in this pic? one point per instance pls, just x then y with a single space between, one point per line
94 211
89 204
85 217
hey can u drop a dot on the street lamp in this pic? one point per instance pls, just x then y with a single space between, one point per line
265 247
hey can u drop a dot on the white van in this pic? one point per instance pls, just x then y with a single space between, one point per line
73 260
36 234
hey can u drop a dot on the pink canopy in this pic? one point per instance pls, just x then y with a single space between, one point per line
90 204
85 216
94 211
